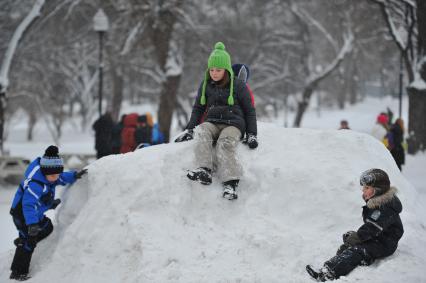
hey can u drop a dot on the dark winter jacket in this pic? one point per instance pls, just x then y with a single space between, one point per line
241 115
116 137
397 150
382 227
103 134
35 194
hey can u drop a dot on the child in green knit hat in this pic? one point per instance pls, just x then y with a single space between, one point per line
222 113
219 62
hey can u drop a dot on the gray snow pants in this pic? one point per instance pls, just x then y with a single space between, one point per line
227 138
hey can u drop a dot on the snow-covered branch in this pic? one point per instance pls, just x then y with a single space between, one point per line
131 38
303 14
174 63
13 44
346 48
398 34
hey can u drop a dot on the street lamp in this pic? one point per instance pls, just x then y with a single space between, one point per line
2 110
100 25
401 80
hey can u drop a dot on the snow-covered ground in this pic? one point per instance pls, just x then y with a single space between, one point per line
136 218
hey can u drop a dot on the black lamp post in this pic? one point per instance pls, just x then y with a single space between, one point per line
2 110
401 80
100 25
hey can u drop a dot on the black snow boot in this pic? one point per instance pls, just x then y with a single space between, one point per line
322 275
21 264
19 276
229 189
201 174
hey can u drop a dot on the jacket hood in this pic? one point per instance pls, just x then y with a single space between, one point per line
131 120
388 198
33 172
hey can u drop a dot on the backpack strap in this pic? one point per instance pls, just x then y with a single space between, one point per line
17 211
28 181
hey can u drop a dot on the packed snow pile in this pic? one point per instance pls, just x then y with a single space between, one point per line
137 218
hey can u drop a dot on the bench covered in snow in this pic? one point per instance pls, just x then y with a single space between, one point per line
12 168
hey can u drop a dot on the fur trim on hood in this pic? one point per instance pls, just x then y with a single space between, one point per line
376 202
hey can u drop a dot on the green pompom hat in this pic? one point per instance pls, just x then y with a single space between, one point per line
219 58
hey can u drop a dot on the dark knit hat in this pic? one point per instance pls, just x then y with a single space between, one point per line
51 163
219 58
376 178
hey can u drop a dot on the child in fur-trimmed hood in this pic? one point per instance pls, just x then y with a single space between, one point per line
379 235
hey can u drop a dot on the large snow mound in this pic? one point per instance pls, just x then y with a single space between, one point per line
137 218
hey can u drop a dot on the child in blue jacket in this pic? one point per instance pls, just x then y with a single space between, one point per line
34 196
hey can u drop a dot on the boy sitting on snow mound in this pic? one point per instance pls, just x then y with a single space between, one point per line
224 103
34 196
379 235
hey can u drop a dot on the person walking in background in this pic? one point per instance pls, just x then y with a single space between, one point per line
143 133
128 140
103 135
380 129
157 135
396 139
344 125
229 114
379 235
34 196
116 135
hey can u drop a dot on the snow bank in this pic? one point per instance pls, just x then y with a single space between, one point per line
137 218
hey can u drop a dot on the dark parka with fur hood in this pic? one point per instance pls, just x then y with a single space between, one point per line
378 236
241 115
382 227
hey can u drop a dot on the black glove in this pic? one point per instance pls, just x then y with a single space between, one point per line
351 238
33 230
55 203
185 136
342 248
252 141
80 173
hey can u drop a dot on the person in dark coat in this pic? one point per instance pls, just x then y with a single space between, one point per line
396 148
379 235
229 114
103 135
143 133
34 196
116 135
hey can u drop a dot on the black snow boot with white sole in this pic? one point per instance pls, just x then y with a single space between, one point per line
322 275
19 276
201 174
229 189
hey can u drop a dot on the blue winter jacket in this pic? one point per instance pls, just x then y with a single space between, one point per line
37 193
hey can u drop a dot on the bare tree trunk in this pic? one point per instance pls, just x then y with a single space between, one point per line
182 115
315 80
32 120
167 104
162 36
353 80
421 27
303 104
2 120
417 101
117 95
416 120
341 88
